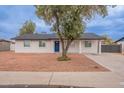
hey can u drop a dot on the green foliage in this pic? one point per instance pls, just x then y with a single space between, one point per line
72 26
107 40
27 28
69 19
69 22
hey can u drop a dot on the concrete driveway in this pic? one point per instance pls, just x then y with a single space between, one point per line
113 61
115 78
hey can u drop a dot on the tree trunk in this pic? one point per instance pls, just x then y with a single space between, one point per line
60 36
65 50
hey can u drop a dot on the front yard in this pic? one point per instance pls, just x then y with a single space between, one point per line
10 61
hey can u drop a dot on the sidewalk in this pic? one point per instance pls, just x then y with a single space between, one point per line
79 79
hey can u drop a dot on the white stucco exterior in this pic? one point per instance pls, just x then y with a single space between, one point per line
93 49
12 45
78 46
122 43
34 47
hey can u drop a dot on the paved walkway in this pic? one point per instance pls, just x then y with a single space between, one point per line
80 79
115 78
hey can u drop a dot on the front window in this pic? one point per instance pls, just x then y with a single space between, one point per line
42 43
88 44
26 43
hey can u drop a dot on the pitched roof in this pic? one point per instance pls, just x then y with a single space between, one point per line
4 40
121 39
85 36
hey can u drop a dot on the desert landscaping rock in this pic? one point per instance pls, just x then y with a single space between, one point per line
10 61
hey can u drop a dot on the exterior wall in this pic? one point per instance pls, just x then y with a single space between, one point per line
4 46
100 43
92 49
34 47
122 43
74 47
123 47
12 46
78 46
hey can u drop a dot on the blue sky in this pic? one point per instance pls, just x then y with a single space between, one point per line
12 18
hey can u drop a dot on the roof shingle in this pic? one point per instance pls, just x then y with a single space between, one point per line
85 36
121 39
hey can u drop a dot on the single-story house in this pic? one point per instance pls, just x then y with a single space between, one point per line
121 41
4 45
50 43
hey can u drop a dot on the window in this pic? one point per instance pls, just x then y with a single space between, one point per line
41 43
26 43
88 44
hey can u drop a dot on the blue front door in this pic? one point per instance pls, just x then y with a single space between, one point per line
56 47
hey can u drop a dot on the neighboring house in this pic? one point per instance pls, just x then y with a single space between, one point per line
121 41
4 45
12 45
49 43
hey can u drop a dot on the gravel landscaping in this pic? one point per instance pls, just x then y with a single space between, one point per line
10 61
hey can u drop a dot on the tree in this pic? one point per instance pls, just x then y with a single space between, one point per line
69 21
27 28
107 40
